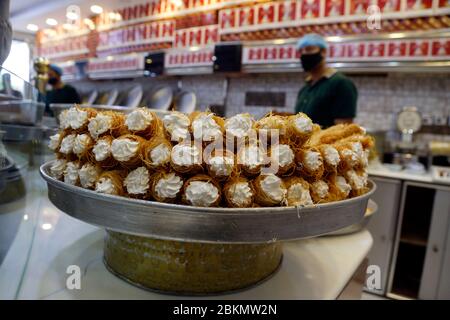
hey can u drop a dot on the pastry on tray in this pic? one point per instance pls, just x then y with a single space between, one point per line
204 160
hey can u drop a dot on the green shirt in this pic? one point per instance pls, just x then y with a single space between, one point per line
332 97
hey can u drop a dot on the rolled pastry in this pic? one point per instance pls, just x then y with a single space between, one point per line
89 174
239 193
269 190
102 152
55 141
320 191
127 150
310 163
239 126
143 122
57 168
165 186
298 193
251 158
66 145
201 191
334 134
176 125
282 158
300 128
71 173
206 126
156 153
339 187
107 123
78 118
82 146
220 164
111 182
186 158
272 122
137 183
358 181
330 156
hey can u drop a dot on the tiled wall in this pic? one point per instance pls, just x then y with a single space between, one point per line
380 96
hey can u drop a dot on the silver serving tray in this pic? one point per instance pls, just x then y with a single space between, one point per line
197 224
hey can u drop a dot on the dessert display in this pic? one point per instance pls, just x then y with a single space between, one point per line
217 195
189 160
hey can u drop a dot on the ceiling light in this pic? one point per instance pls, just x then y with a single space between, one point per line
71 15
51 22
96 9
46 226
32 27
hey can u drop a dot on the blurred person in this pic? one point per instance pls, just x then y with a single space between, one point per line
328 97
60 92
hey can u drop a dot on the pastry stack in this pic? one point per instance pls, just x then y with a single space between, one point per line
208 161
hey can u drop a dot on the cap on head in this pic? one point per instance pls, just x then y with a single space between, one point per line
312 39
55 68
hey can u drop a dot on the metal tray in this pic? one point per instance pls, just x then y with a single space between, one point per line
210 225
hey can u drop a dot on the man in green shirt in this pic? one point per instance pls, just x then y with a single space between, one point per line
61 92
328 96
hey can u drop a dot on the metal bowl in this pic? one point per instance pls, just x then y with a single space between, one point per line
161 98
185 101
209 225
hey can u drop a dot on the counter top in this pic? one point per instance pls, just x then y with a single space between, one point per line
316 268
382 171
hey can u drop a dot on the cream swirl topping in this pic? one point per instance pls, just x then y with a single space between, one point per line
313 160
160 154
331 156
105 185
71 173
100 124
205 128
186 155
342 185
221 165
298 195
282 154
177 125
67 144
80 143
251 156
201 193
57 168
63 121
239 125
88 175
169 186
303 124
102 150
124 149
240 193
54 141
139 119
137 181
320 188
272 186
76 118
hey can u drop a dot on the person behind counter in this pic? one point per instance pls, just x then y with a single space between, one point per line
60 92
328 96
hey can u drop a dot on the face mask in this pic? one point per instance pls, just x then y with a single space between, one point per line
310 61
52 81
